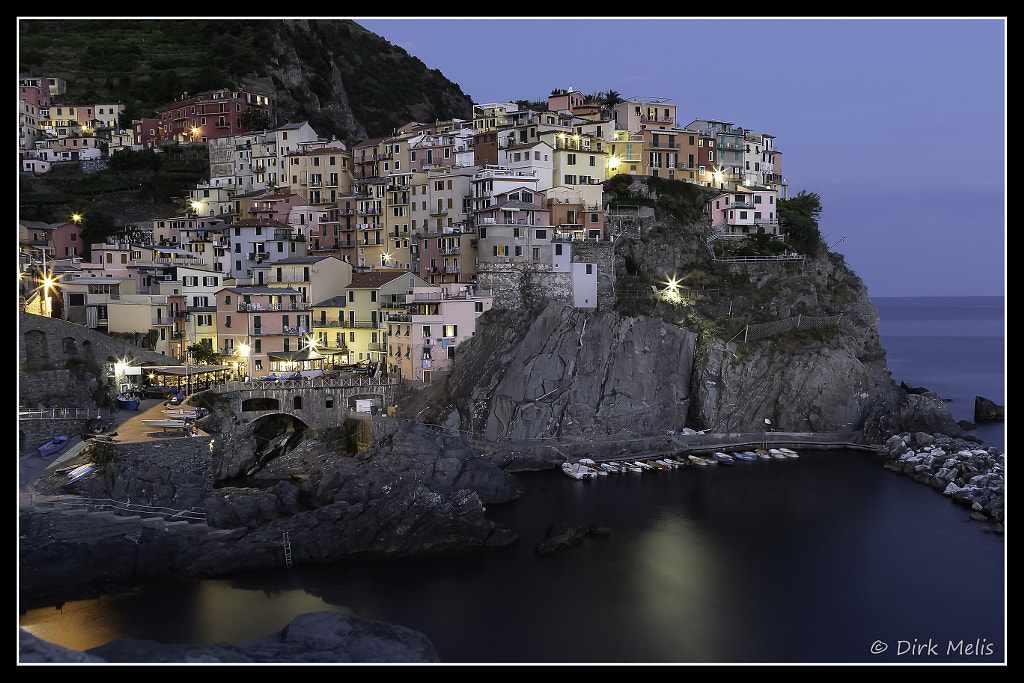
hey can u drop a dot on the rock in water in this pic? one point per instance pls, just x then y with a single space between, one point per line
986 410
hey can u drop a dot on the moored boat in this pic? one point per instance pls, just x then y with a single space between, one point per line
723 458
576 471
125 402
777 454
789 453
80 471
763 454
166 424
53 446
700 460
744 455
654 464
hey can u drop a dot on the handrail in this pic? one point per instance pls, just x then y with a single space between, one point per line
55 414
101 504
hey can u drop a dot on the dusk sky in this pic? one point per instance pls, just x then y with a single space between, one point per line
899 124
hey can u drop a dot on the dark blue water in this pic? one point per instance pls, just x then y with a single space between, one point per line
815 560
954 346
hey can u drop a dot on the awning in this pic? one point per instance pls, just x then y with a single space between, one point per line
183 370
296 356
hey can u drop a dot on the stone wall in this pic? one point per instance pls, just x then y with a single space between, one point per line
33 433
519 285
64 365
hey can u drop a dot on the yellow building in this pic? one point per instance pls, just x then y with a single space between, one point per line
320 175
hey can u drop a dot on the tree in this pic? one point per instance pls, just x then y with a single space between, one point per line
256 119
799 217
204 354
612 98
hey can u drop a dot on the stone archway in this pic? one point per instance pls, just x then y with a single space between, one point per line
36 347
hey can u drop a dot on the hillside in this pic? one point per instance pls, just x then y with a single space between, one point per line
345 80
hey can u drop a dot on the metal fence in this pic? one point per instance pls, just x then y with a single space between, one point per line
117 506
754 332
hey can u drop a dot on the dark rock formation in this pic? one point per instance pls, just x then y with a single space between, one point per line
317 637
565 535
986 410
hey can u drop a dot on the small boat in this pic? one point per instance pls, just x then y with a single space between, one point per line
53 446
654 464
700 460
127 402
723 458
575 471
763 454
608 467
167 424
777 454
745 455
182 413
667 463
631 467
80 471
789 453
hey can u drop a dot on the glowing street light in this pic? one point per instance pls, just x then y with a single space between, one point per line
243 350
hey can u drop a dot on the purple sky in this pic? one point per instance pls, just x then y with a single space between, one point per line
899 124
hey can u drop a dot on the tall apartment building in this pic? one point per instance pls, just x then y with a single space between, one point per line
211 114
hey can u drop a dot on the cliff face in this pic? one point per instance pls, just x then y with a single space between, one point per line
572 374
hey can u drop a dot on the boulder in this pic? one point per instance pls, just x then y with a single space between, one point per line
986 410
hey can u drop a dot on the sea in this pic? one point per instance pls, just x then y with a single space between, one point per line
827 559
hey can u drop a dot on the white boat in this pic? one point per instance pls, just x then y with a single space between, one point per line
181 413
763 454
575 471
667 463
608 467
632 467
593 466
777 454
166 424
789 453
698 460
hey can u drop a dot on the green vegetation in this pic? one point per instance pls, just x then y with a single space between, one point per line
800 215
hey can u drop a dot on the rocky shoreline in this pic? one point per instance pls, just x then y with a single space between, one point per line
959 468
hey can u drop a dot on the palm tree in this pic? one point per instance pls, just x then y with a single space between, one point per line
611 98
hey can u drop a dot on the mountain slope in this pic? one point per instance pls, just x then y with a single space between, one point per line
345 80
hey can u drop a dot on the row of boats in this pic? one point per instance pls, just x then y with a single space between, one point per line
587 468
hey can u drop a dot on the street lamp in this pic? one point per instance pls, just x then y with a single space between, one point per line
243 350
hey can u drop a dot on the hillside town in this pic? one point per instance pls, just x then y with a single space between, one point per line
305 255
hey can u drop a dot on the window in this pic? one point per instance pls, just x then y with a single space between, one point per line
451 330
426 331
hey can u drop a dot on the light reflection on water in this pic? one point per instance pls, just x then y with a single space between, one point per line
794 561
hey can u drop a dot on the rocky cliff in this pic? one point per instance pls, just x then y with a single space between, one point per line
570 374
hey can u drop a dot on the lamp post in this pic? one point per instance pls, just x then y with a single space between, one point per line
244 351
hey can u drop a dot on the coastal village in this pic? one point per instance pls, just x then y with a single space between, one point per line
302 255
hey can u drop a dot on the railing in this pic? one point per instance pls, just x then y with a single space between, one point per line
753 332
306 383
102 504
56 414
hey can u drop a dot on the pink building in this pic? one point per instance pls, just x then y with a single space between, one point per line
211 114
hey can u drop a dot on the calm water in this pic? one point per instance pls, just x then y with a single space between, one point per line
815 560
